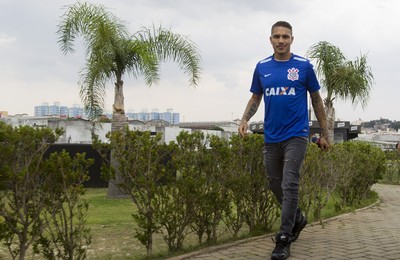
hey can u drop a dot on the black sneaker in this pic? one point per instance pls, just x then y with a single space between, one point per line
282 247
298 227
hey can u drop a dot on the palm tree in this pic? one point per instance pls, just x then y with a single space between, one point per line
113 52
341 78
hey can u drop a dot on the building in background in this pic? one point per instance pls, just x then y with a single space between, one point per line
51 110
42 110
79 131
75 111
343 131
168 116
3 114
56 109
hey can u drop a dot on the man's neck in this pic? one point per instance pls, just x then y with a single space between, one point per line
284 57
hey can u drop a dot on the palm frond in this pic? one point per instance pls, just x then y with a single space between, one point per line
141 60
169 46
328 58
340 77
84 19
93 89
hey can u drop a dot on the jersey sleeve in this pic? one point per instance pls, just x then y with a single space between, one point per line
256 87
312 81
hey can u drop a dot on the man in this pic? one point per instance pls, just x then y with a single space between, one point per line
284 79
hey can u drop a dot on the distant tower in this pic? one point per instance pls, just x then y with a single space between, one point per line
42 110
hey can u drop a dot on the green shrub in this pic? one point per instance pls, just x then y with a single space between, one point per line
200 182
364 166
40 198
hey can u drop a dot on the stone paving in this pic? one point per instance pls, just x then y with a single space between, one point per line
369 233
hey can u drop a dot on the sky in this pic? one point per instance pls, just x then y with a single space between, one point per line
231 36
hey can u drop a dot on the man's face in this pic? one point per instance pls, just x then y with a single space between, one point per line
281 39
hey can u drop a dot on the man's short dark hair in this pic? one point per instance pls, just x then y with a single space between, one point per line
282 24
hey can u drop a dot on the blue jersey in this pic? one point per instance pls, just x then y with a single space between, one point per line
284 85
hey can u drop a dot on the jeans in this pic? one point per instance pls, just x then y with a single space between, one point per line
282 163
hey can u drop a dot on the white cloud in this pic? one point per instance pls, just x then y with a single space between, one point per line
5 39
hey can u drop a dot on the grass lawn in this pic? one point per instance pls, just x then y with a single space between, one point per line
113 229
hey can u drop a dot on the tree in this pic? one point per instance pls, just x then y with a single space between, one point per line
113 52
22 199
341 78
65 235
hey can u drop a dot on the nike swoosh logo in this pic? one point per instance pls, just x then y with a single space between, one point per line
266 75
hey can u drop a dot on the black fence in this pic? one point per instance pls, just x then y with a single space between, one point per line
95 179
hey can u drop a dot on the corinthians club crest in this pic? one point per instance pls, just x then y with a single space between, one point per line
293 74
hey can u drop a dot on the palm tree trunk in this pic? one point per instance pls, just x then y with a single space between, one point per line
330 121
118 124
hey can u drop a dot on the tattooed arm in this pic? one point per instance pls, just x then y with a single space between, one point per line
250 110
319 111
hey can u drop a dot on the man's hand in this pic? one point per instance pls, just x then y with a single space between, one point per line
243 128
323 143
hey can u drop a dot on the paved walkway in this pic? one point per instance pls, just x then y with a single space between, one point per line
370 233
